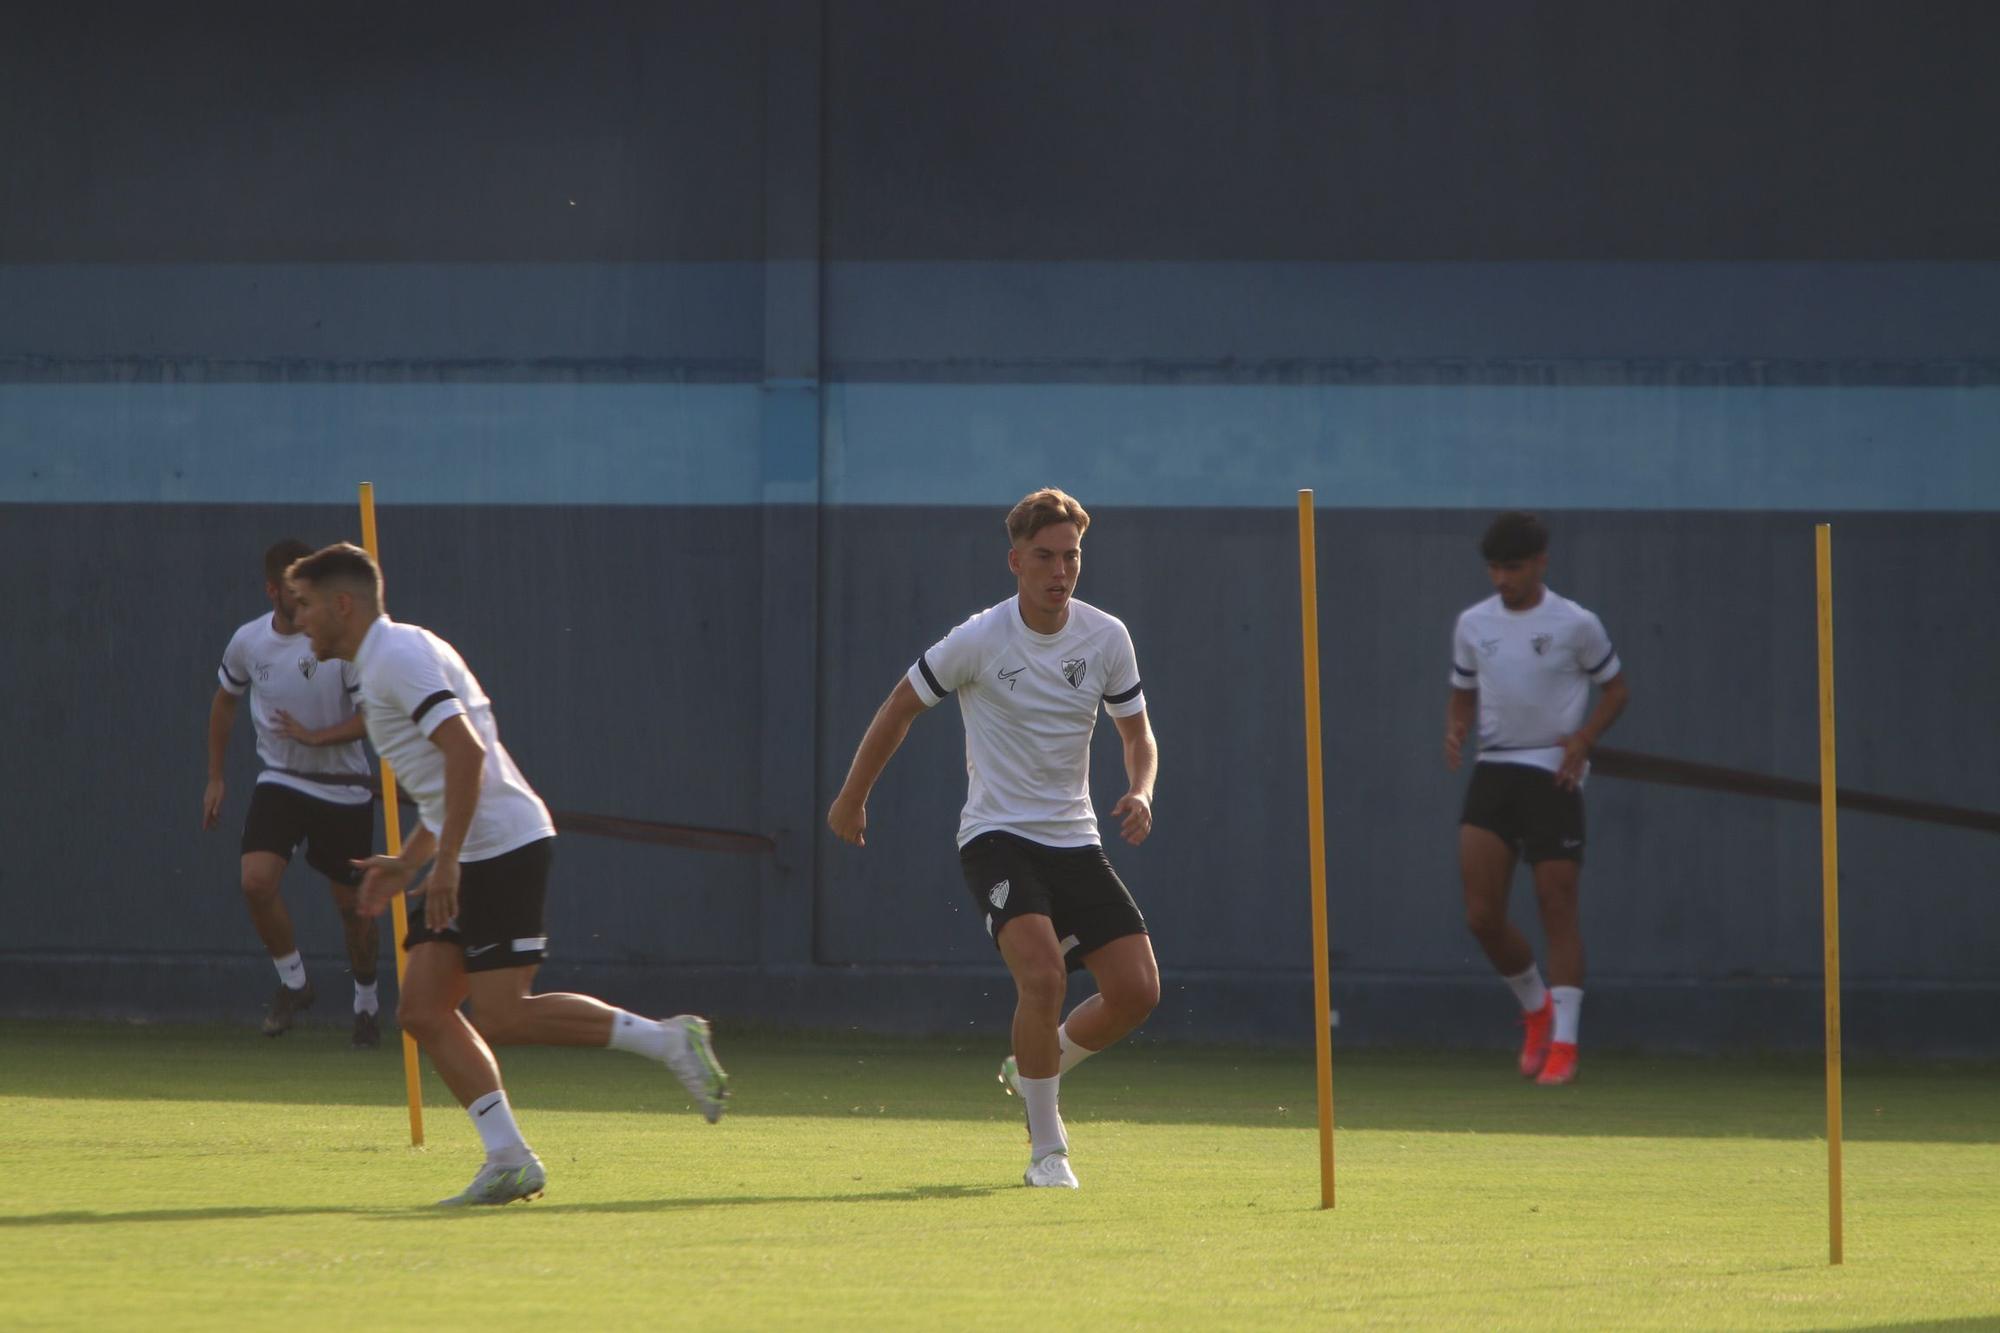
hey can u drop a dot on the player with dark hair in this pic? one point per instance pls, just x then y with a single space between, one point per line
1030 675
313 792
1523 661
477 939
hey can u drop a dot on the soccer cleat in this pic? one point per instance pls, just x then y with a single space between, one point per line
1561 1065
1535 1041
497 1184
285 1006
1009 1071
1050 1172
367 1033
691 1057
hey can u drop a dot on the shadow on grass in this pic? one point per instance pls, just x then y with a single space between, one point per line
858 1078
432 1213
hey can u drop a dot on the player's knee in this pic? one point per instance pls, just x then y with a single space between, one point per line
421 1019
260 889
1484 920
1042 985
1132 998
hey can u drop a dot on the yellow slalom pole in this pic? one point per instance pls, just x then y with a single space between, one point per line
1316 824
1829 860
412 1083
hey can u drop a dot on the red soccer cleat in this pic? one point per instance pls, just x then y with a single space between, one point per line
1535 1042
1560 1067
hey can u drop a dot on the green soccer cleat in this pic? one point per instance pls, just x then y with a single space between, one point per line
691 1057
1009 1071
497 1184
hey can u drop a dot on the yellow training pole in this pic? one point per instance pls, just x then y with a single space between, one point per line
1316 825
1829 848
392 821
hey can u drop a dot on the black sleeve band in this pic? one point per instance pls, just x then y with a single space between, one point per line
432 702
1601 665
1126 696
232 677
923 665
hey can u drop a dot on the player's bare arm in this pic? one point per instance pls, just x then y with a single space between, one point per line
848 817
386 876
221 721
1612 697
353 729
1142 766
1458 715
464 767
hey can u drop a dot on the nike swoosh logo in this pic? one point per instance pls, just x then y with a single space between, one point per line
478 949
1009 675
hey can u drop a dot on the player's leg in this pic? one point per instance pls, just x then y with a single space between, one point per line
271 828
1034 958
501 929
1128 988
1486 859
1555 851
434 985
341 835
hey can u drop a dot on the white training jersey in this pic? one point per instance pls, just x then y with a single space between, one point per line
1533 671
1030 705
280 672
412 682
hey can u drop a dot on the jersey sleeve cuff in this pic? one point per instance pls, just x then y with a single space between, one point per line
436 710
925 684
229 683
1608 668
1462 679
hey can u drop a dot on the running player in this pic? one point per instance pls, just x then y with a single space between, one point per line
1525 659
313 791
477 937
1030 674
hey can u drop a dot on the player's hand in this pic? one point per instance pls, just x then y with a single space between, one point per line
1576 753
849 819
292 729
383 877
211 803
1454 748
441 894
1137 810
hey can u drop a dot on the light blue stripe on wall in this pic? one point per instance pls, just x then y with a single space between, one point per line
1419 446
451 443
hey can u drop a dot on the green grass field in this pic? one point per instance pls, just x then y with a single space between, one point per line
201 1178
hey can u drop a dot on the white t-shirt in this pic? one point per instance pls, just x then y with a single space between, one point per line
1533 671
1030 705
280 672
412 682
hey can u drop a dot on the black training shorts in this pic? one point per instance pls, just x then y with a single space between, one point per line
335 835
1523 805
499 921
1074 887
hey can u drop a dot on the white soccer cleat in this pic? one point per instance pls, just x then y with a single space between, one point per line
1010 1071
691 1057
1051 1172
497 1184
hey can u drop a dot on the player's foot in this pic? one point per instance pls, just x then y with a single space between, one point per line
1009 1071
367 1032
1560 1066
502 1184
1535 1041
285 1006
1051 1172
691 1057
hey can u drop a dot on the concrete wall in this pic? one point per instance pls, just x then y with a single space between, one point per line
697 349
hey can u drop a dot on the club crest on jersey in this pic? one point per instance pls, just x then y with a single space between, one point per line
1073 669
307 665
1542 642
997 895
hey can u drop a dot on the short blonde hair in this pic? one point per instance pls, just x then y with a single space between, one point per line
1044 508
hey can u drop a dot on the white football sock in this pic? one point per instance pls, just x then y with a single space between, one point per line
364 998
1569 1012
1072 1053
1529 990
494 1119
641 1036
1045 1126
291 970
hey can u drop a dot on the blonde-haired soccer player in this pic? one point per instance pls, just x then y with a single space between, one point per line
1030 674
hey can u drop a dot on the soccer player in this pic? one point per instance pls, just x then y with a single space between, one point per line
1525 659
314 790
1030 674
478 936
